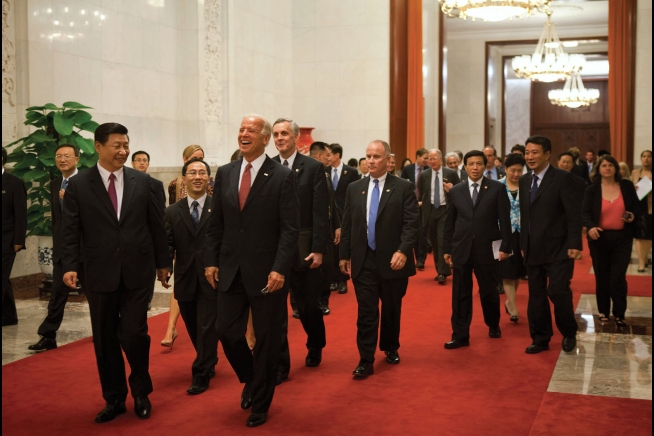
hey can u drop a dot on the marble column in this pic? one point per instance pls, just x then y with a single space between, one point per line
9 116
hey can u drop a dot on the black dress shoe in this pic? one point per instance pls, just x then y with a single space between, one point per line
495 332
281 378
43 345
314 357
392 357
342 288
325 310
246 396
333 287
296 314
535 348
110 411
196 389
142 407
456 343
212 373
363 370
420 265
441 279
569 344
10 322
430 248
256 419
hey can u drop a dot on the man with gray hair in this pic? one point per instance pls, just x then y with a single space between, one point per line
380 229
434 187
252 240
452 161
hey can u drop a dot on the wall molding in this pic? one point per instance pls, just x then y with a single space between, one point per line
9 114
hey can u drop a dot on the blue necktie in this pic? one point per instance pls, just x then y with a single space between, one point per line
474 194
195 215
64 185
372 216
335 181
534 189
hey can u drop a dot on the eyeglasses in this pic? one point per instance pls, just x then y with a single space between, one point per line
141 160
196 173
63 157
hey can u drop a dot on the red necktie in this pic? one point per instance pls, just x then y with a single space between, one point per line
244 190
112 192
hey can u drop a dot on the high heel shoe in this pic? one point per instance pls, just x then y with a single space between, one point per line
620 323
514 319
170 343
603 319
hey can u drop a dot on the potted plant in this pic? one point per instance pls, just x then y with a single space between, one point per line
34 157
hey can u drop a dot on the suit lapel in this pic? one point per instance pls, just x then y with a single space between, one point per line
364 196
206 211
547 180
185 214
264 174
55 187
234 176
389 185
483 187
97 186
128 192
298 165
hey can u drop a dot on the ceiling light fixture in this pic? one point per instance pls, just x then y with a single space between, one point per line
574 94
492 10
549 62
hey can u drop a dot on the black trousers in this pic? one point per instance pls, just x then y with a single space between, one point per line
337 275
420 249
611 255
370 288
119 321
57 303
487 278
9 315
436 228
306 287
550 280
199 315
268 313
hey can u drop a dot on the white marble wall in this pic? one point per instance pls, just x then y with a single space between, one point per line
643 115
341 70
518 107
430 71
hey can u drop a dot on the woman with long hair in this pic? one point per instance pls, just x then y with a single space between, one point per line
609 208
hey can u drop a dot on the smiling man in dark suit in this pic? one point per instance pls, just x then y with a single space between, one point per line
186 227
479 214
251 243
380 228
550 210
307 272
117 215
14 228
66 159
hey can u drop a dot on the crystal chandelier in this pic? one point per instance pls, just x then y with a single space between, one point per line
548 63
491 10
574 94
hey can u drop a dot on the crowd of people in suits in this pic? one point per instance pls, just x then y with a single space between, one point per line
237 243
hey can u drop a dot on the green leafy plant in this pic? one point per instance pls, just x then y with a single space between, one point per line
34 155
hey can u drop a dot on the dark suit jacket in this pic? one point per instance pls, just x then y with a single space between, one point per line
463 177
188 249
55 213
312 197
551 225
348 176
424 187
261 238
409 172
159 189
581 171
396 226
14 213
500 173
487 221
127 249
591 209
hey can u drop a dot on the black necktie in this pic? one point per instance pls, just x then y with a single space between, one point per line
534 189
474 193
285 163
437 191
195 215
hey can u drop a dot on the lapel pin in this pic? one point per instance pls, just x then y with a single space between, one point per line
388 190
363 192
485 187
265 174
345 172
297 170
208 210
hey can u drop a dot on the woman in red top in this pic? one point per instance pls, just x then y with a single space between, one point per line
610 207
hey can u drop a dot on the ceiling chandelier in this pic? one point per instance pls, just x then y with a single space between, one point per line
574 94
548 63
491 10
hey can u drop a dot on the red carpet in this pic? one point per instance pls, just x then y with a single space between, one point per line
492 387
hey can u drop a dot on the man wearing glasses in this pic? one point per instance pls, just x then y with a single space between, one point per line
66 159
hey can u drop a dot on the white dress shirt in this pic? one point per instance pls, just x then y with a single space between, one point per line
441 200
541 175
200 201
256 166
69 177
472 188
371 187
290 160
339 171
119 184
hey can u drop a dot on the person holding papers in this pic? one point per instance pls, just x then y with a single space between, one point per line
642 178
478 217
513 268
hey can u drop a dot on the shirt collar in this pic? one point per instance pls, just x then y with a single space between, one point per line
339 168
200 200
257 163
105 174
74 174
542 173
381 179
290 160
470 182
